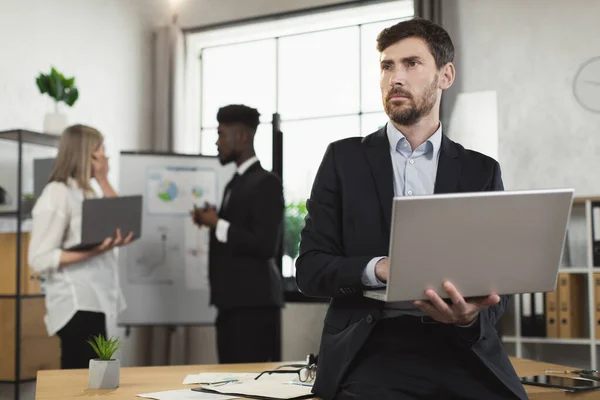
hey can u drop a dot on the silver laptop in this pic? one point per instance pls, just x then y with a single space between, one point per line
487 242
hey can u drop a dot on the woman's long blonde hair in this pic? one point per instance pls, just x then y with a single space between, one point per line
74 159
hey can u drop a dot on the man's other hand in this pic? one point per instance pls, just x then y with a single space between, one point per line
461 311
382 270
206 216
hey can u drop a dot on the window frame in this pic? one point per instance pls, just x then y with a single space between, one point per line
344 17
260 29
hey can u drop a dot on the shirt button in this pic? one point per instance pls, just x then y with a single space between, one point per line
409 192
411 161
405 144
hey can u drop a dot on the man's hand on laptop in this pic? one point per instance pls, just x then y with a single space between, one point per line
460 312
382 270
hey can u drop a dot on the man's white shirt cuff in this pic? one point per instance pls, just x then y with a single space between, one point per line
221 230
369 278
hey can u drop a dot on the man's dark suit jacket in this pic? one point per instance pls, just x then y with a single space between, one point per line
243 272
348 223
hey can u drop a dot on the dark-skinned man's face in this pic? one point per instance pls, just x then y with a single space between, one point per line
229 142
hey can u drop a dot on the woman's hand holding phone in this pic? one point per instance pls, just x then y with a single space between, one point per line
100 165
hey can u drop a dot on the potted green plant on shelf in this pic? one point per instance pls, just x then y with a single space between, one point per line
60 89
27 202
104 371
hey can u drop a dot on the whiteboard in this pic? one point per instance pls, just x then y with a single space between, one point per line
164 274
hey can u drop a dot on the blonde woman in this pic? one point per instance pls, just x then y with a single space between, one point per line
82 287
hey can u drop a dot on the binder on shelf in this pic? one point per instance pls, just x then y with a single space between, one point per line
552 326
596 233
527 320
566 259
597 304
571 290
539 315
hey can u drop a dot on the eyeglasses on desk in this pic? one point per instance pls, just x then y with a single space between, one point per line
305 372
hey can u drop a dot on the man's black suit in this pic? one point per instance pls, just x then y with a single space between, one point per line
348 223
245 282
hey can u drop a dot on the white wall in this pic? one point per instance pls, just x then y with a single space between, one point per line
196 13
529 52
105 44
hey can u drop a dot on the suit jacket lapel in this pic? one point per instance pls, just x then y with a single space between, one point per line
225 201
230 187
449 168
377 149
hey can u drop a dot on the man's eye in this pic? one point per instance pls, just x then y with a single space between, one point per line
413 63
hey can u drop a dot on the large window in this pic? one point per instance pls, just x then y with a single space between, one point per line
320 73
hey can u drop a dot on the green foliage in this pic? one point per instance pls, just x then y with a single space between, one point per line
29 196
105 348
295 213
58 87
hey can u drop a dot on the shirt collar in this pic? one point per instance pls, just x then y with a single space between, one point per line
434 141
72 183
243 167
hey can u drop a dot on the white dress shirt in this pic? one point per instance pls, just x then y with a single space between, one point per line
223 225
415 173
90 285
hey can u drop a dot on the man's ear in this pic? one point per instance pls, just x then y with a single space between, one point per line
244 135
447 75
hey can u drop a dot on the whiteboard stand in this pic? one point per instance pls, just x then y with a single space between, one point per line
171 329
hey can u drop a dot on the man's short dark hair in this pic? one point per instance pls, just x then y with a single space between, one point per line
239 114
437 39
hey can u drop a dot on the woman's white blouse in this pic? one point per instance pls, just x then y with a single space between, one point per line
90 285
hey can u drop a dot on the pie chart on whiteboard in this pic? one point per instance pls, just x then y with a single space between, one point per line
175 190
167 191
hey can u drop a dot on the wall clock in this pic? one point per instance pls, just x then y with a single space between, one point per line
586 86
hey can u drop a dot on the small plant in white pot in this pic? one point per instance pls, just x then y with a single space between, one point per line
61 90
104 371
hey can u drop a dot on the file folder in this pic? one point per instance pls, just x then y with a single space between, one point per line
539 314
571 305
552 326
596 233
597 304
527 320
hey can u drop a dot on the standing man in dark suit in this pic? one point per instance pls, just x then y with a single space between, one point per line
245 282
407 350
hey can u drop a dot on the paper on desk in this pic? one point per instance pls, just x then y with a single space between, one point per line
216 377
185 394
267 388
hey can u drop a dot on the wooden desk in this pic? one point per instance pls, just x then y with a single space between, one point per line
72 384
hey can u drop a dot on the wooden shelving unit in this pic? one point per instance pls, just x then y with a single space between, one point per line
581 352
25 346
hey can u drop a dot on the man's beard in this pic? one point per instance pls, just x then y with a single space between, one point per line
410 114
224 160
